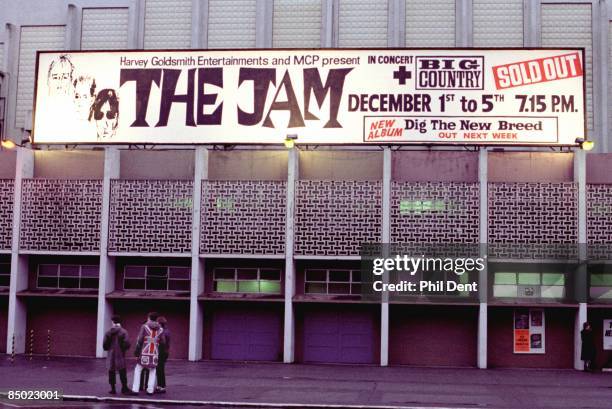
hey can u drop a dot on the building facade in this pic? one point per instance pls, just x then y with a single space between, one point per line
252 253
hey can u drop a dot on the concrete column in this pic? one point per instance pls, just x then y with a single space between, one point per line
463 26
581 279
385 239
580 180
73 28
11 61
604 81
598 56
136 15
17 312
327 23
334 14
483 284
581 317
396 31
196 312
531 23
263 26
199 23
289 324
107 264
4 67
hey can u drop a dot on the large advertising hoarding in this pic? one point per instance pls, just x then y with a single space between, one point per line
335 96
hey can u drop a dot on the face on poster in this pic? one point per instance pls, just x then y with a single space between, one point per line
341 96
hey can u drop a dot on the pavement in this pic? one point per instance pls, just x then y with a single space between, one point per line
83 382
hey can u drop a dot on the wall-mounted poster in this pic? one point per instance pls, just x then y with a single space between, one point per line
607 335
529 331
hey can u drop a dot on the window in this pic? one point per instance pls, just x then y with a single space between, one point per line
430 23
104 28
157 278
332 281
167 24
296 23
529 285
498 23
601 286
231 23
33 38
247 280
425 206
362 23
67 276
5 274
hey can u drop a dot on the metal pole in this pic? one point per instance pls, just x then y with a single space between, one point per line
31 343
13 349
48 343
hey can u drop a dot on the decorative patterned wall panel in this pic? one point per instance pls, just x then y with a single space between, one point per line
61 215
430 23
243 217
431 212
599 221
333 218
150 216
569 25
297 23
533 220
6 213
167 24
498 23
104 28
362 23
231 23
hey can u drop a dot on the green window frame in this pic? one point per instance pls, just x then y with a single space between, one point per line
332 281
252 280
520 285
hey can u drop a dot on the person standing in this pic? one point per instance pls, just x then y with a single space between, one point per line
116 342
164 352
587 352
147 351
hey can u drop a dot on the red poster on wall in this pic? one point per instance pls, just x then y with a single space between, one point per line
521 340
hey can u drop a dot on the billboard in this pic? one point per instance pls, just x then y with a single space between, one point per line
330 96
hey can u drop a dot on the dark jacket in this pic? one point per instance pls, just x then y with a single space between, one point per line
587 352
116 342
164 348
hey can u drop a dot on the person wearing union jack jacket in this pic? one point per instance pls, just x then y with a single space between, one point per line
148 344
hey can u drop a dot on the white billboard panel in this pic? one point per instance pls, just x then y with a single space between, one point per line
339 96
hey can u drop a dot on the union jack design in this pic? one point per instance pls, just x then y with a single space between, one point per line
150 347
